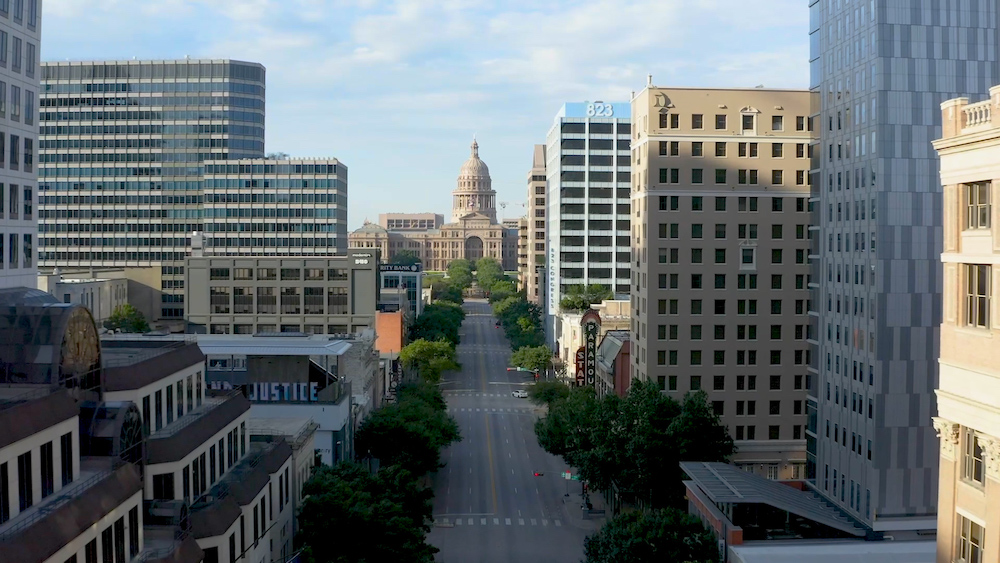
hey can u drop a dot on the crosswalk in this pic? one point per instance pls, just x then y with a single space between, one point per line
451 522
488 410
471 394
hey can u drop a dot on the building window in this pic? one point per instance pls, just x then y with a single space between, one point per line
4 494
978 210
47 468
777 123
218 274
977 311
25 490
747 122
970 541
697 121
66 457
973 457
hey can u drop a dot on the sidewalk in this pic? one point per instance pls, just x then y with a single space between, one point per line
578 515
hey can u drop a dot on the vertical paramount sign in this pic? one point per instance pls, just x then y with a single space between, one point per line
591 323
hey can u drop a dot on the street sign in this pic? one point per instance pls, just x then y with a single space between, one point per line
575 477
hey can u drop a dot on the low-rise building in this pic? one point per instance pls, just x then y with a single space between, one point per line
251 295
614 315
613 364
99 293
300 434
409 278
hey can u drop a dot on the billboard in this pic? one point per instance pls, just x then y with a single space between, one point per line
591 323
581 364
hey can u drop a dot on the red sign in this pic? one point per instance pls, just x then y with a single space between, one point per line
581 364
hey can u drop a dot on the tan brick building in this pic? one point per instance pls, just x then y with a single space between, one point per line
968 393
720 229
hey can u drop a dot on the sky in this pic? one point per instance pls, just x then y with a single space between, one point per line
397 89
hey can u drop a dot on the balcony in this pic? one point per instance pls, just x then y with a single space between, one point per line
36 534
178 439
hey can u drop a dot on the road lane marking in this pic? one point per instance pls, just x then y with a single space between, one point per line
534 522
482 521
470 521
507 520
458 521
515 490
557 523
545 522
496 521
520 521
511 471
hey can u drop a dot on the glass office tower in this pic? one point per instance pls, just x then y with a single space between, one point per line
879 70
120 160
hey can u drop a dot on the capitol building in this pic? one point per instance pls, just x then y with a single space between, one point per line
472 233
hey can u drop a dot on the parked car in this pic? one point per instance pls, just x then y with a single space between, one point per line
520 394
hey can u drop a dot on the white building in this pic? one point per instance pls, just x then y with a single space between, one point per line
588 198
100 294
20 44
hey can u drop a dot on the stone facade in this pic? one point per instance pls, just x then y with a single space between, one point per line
473 232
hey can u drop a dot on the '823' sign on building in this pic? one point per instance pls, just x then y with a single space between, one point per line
591 323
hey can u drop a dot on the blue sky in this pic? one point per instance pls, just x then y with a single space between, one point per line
397 89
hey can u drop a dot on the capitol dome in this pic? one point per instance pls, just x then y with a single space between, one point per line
474 167
474 192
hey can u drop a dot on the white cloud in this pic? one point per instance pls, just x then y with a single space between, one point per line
361 79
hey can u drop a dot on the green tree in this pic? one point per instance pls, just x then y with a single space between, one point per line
430 358
127 319
439 321
636 442
411 432
446 291
502 289
580 297
460 273
652 536
548 392
405 258
535 358
521 320
488 272
350 500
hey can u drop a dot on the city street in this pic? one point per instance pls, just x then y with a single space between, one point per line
489 506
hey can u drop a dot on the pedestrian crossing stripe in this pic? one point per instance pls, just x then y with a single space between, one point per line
448 523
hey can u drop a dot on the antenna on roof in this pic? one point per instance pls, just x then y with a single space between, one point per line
649 80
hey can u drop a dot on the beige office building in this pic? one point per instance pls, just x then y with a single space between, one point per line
968 393
473 232
532 268
720 243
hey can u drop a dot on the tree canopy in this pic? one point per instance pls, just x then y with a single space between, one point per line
535 358
127 318
446 291
635 442
488 272
386 516
411 432
548 392
501 290
439 321
430 358
651 537
521 321
405 258
460 273
580 297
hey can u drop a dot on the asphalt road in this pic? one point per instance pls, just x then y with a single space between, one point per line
489 506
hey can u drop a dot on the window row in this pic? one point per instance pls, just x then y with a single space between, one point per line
743 306
743 357
743 383
20 251
293 300
748 121
744 150
743 332
271 274
271 328
743 176
743 204
26 474
743 231
748 256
